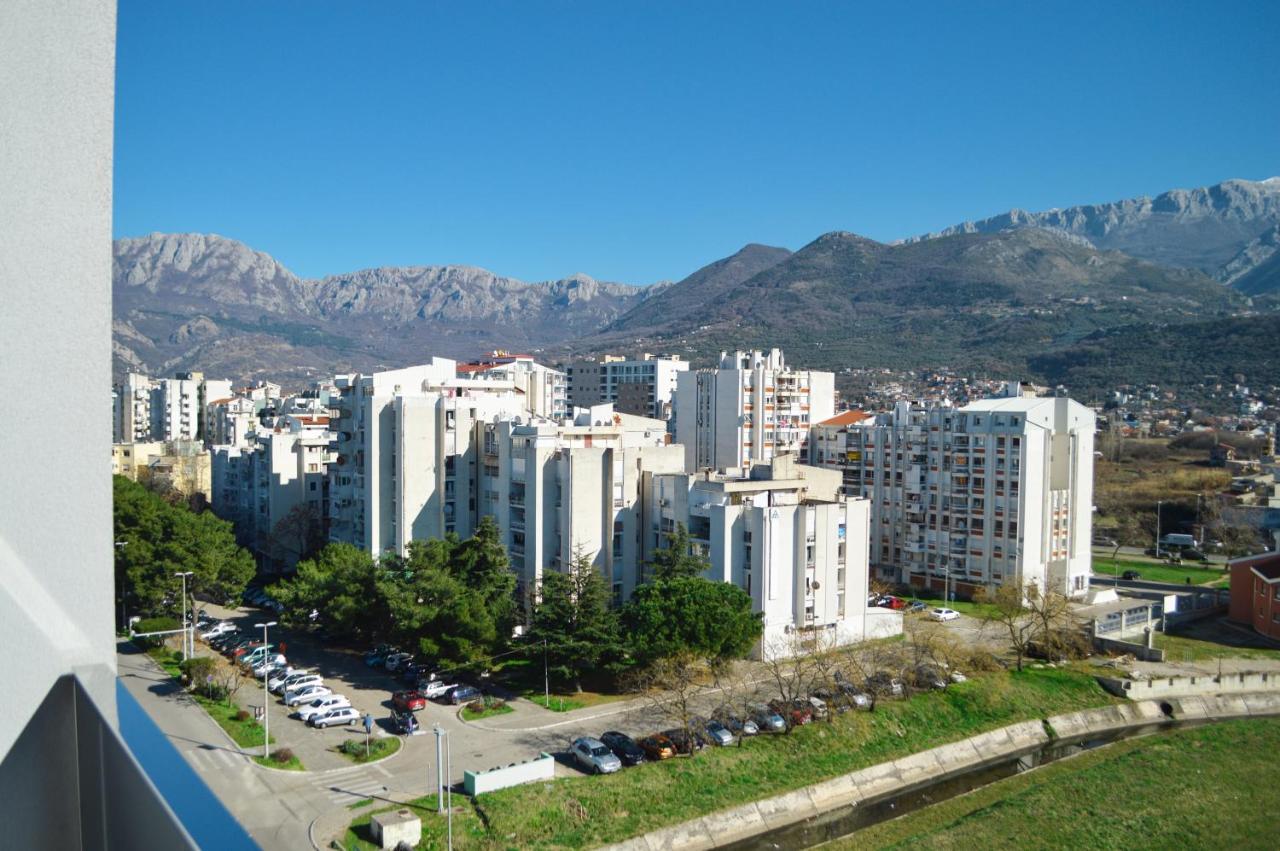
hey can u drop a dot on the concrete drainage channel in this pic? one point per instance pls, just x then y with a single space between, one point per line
843 805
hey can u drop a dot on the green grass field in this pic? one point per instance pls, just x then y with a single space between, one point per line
1208 787
964 607
1181 648
1156 572
583 812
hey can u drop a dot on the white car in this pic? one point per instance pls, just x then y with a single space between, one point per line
269 664
943 614
322 704
276 681
296 680
957 677
435 689
337 716
303 694
221 628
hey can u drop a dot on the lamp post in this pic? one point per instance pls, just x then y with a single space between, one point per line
546 677
186 628
266 698
1159 503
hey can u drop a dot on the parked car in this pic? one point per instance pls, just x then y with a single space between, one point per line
307 686
657 747
895 603
767 721
306 694
943 614
717 733
1157 552
216 629
595 756
818 707
624 747
377 657
683 742
410 674
927 676
882 684
432 689
855 697
276 680
322 704
404 723
395 660
957 677
408 701
249 658
1194 555
460 694
291 680
797 713
341 715
916 606
270 665
1130 575
736 723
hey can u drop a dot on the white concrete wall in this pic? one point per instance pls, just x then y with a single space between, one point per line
57 72
493 779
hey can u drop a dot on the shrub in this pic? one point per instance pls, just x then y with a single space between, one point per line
154 625
352 748
282 755
476 706
198 669
242 715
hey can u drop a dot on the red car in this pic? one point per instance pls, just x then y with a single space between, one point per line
408 701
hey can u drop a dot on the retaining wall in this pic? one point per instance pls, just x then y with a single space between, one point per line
1158 688
900 776
492 779
1116 645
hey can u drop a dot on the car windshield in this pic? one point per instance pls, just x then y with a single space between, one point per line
600 750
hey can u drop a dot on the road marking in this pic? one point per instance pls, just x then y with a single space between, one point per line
214 759
356 787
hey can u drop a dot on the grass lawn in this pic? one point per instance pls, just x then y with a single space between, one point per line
1154 572
380 748
293 764
487 712
525 677
1181 648
581 812
1208 787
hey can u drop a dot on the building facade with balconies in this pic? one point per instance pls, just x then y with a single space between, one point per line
560 490
785 534
406 453
749 409
545 389
643 386
998 491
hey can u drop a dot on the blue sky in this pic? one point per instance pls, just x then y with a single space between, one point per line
638 141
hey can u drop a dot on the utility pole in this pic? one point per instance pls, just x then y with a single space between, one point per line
1158 504
546 677
266 697
440 734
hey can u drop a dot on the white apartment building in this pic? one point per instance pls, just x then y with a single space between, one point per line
164 409
749 409
545 389
231 422
406 454
998 491
643 386
784 534
275 488
559 490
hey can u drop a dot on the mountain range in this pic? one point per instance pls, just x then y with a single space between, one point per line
1002 295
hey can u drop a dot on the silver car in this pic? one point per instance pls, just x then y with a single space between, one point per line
594 755
717 733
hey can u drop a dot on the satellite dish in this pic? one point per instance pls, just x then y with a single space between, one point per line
816 585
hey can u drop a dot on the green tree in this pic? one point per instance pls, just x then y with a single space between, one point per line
676 559
574 620
690 615
341 584
158 539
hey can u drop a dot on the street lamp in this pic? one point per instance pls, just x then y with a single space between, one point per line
266 695
186 629
444 775
1159 503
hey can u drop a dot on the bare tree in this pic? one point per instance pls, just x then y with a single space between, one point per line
789 667
1004 612
737 691
671 685
1051 611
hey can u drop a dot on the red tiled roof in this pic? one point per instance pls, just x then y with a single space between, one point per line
475 367
846 418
